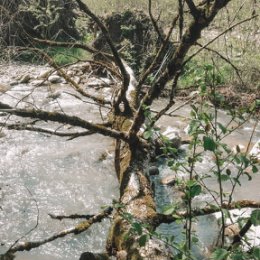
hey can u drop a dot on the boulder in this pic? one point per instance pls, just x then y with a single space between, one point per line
168 180
55 79
153 170
255 151
37 82
91 256
44 74
173 135
25 79
4 88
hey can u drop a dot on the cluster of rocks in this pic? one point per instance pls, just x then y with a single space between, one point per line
80 73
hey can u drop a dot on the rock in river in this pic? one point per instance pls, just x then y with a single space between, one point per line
25 79
168 180
153 170
55 79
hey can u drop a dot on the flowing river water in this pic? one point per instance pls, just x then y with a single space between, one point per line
41 174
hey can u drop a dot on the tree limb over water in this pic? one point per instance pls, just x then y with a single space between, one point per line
81 227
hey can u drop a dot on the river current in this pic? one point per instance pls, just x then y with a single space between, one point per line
42 174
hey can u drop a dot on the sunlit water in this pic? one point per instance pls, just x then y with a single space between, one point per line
62 176
66 177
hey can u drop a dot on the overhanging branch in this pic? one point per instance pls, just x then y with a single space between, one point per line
118 60
81 227
208 210
64 119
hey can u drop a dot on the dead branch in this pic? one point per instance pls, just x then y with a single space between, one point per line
64 119
214 39
73 216
73 45
208 210
29 127
237 238
156 28
81 227
164 45
118 60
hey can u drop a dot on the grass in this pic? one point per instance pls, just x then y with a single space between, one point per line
240 45
63 56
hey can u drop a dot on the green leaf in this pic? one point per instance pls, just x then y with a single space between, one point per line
147 134
222 128
168 210
137 227
209 144
195 190
220 254
195 240
255 217
237 256
254 169
142 240
224 177
245 160
256 253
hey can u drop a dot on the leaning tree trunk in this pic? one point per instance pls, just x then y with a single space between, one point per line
137 198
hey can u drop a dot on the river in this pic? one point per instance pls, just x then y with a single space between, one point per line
41 174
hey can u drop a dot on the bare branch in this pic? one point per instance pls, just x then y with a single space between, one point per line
29 127
62 118
73 216
73 45
193 9
158 55
81 227
209 210
214 39
161 37
119 62
174 66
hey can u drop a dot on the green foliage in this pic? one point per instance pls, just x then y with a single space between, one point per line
63 56
197 74
255 217
220 254
209 144
207 139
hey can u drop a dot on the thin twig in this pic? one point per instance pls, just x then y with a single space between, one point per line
222 33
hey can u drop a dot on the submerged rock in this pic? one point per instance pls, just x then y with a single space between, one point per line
91 256
153 170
